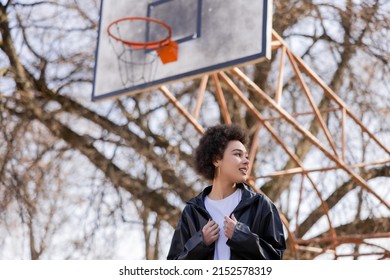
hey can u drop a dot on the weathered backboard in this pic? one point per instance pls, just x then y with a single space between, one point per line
211 35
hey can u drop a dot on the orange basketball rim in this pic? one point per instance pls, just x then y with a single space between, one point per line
166 48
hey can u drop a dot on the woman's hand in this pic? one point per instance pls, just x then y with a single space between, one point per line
229 224
210 232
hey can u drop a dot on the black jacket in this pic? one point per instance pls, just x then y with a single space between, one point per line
258 233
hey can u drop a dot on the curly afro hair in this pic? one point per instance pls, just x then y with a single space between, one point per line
213 144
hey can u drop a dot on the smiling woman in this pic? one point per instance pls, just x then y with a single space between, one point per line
227 220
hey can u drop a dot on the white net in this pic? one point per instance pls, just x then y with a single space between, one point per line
136 64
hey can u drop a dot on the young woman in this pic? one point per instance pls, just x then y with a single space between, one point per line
227 220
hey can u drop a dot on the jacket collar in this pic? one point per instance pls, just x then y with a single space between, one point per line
247 195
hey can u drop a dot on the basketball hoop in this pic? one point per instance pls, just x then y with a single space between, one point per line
137 43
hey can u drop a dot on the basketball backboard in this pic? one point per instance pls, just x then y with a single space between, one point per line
211 35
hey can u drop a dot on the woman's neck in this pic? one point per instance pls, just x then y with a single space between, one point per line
221 189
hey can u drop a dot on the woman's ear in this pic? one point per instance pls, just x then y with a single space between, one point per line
216 160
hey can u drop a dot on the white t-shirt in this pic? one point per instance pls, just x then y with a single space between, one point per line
218 209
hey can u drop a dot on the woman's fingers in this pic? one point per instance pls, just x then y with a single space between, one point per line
210 232
229 225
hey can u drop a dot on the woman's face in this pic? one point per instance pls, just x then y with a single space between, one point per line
234 165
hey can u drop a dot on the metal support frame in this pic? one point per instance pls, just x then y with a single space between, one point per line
338 157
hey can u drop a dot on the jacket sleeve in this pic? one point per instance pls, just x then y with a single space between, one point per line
266 242
187 242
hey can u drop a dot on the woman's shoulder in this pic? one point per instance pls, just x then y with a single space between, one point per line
257 197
